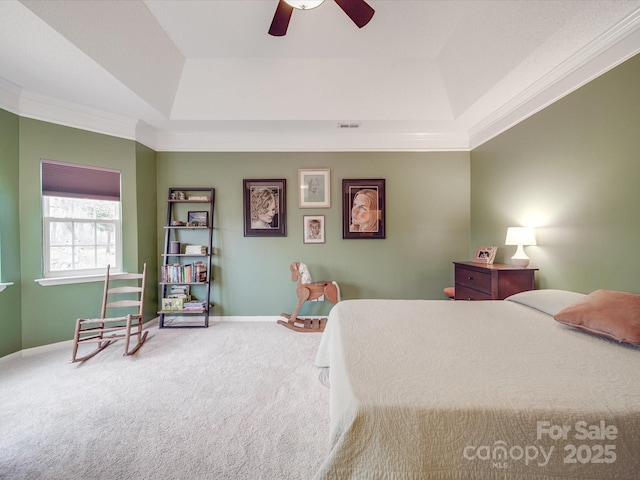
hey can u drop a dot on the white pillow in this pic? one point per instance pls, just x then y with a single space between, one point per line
548 301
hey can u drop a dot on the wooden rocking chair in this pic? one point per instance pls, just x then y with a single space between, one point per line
307 290
107 329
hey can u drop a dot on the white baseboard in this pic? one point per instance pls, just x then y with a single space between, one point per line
27 352
257 318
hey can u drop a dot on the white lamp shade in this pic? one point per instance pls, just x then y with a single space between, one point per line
520 236
304 4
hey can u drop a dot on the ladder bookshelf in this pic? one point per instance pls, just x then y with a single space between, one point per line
185 275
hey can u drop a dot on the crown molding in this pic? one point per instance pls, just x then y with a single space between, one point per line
310 142
10 96
612 48
39 107
604 53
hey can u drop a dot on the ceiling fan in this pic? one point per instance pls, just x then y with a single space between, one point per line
358 10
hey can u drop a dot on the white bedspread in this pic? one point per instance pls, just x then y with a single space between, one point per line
454 390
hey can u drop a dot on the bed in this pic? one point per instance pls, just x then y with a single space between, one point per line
424 389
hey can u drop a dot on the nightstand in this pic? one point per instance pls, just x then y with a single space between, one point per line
477 281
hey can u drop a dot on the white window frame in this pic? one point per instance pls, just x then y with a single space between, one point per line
86 184
86 271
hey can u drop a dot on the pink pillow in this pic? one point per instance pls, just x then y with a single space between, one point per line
608 313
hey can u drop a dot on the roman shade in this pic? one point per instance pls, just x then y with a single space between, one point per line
79 181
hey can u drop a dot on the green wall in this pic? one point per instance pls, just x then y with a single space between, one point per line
427 204
427 226
573 171
146 227
49 313
10 311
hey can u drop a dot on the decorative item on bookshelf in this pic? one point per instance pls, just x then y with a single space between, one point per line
198 219
172 303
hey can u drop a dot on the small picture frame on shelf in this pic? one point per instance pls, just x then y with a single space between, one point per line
485 255
198 219
313 228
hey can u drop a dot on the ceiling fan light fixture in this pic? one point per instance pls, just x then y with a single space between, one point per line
304 4
359 11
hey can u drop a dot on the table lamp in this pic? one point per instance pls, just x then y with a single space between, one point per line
520 236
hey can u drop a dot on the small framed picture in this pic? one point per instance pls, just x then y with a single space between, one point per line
313 228
363 208
264 203
198 219
485 255
314 188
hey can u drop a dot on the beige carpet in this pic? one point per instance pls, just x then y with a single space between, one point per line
239 400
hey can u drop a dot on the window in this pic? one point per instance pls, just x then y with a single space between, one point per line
81 219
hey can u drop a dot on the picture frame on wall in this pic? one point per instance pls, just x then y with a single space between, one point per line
264 207
485 255
313 228
314 188
363 208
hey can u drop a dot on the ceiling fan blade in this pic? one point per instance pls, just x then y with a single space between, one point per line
281 18
358 10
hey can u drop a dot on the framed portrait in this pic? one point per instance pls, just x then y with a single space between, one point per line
363 208
264 208
198 219
314 188
313 228
485 255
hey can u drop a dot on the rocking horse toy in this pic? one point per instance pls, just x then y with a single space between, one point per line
306 290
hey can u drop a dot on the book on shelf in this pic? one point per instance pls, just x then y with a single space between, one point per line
185 298
200 272
193 305
180 290
195 250
195 272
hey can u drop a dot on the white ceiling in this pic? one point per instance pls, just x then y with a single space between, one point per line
205 75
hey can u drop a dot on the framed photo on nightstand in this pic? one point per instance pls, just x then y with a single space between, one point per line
485 255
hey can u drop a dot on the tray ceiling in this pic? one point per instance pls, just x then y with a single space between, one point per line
205 75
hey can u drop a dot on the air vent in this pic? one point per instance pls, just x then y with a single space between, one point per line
348 125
